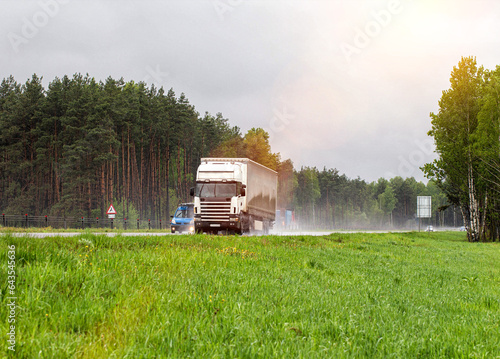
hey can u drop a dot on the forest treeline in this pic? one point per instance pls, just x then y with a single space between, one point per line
78 145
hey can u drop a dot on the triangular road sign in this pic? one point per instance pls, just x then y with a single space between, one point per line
111 210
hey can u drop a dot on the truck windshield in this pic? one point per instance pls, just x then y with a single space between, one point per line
209 190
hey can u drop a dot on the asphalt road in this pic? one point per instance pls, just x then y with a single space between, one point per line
159 234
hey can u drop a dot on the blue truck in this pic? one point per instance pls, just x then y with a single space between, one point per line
183 219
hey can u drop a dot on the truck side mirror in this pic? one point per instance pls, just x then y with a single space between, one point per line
243 191
191 192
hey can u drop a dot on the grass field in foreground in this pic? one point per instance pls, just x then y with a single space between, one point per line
401 295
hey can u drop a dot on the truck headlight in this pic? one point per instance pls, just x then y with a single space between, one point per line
233 219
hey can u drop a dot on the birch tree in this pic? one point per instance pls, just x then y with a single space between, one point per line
460 144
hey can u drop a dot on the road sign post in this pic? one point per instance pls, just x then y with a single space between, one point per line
111 212
424 208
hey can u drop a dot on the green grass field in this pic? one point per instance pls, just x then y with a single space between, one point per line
404 295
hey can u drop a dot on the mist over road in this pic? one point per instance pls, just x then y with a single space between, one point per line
160 234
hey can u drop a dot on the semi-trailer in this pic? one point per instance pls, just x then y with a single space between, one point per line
234 195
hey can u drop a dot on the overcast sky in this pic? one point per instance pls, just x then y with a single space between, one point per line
341 84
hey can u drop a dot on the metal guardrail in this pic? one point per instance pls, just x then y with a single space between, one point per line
28 221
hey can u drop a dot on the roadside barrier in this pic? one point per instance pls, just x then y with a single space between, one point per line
29 221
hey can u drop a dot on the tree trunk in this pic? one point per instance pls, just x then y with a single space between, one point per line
473 207
129 181
167 182
482 233
103 190
141 179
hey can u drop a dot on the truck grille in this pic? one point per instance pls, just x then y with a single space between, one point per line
215 211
